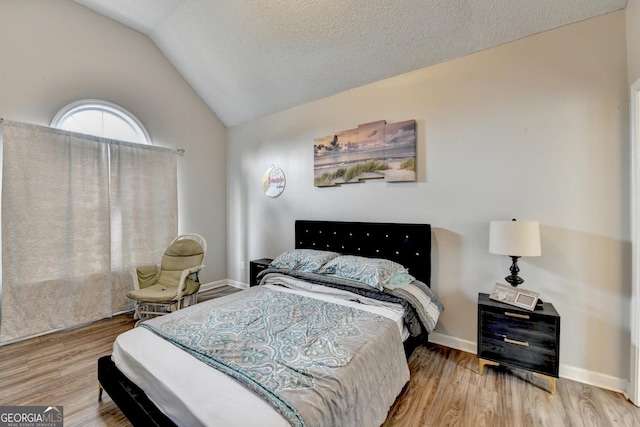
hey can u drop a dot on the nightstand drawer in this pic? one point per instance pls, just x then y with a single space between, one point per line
535 331
521 354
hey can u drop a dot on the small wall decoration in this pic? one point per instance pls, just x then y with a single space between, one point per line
373 150
273 181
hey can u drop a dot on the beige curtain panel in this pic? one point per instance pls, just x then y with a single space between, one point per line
144 212
77 212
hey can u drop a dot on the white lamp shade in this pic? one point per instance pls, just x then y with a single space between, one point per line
515 238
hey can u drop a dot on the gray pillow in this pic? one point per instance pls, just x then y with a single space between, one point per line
375 272
307 260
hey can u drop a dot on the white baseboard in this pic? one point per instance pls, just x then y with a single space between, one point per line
452 342
220 283
212 285
236 284
597 379
619 385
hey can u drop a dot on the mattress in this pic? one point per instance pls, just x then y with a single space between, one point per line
209 397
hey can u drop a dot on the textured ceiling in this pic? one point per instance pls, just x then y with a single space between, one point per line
249 58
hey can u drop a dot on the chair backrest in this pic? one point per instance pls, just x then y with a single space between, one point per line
185 251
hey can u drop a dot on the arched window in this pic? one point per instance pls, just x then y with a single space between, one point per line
103 119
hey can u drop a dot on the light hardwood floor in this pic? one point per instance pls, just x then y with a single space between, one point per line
445 388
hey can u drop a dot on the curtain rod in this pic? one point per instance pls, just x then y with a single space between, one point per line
179 151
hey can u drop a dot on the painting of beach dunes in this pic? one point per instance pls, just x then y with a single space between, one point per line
373 150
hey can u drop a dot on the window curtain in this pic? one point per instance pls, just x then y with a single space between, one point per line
144 212
77 212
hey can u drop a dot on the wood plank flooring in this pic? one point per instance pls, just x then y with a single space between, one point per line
445 388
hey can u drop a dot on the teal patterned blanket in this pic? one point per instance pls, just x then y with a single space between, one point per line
314 361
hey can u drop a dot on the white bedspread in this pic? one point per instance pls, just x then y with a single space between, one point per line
209 397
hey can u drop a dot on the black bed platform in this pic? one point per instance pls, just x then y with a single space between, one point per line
408 244
131 400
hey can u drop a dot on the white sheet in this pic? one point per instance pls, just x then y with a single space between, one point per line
209 397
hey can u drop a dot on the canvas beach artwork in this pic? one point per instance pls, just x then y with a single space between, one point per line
373 150
400 151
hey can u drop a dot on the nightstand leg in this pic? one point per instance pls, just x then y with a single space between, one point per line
552 381
483 362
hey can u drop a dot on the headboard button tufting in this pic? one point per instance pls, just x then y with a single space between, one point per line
408 244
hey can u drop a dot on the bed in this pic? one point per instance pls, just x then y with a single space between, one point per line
351 354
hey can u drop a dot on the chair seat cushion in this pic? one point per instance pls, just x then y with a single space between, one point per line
154 293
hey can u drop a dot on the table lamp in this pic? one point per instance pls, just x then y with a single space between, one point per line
515 239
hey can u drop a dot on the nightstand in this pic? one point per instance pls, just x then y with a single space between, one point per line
519 338
255 267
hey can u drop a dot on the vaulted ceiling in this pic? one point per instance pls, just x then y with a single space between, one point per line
250 58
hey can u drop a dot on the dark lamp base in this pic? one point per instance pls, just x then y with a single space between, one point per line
514 280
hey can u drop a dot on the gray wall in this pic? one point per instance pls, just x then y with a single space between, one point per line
536 129
56 51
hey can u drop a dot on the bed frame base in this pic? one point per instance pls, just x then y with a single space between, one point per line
131 400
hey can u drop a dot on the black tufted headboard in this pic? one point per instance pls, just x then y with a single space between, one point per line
407 244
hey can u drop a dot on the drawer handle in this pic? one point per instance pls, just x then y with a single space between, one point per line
521 316
516 342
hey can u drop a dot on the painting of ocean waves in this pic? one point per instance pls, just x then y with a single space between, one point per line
373 150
